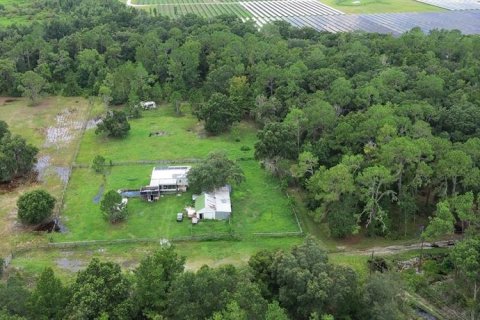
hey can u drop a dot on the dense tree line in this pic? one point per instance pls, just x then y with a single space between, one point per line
17 157
276 285
375 128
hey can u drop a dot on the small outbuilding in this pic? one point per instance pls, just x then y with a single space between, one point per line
150 193
148 105
214 205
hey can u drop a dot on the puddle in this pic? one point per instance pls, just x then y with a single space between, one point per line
41 167
99 195
92 123
65 129
130 193
72 265
63 173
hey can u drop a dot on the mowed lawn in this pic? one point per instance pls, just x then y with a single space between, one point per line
180 138
380 6
258 204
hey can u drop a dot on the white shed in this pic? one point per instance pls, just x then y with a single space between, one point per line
214 205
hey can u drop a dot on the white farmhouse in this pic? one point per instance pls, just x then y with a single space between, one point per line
166 180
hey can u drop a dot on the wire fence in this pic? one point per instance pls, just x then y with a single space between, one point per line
61 202
142 162
294 210
231 236
114 163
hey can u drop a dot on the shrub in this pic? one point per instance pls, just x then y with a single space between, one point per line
115 124
98 163
34 207
112 207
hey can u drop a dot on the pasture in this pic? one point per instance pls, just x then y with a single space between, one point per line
258 204
161 135
53 126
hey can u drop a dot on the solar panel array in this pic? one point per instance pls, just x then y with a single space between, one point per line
454 4
271 9
468 22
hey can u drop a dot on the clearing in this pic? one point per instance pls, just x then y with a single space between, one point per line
259 205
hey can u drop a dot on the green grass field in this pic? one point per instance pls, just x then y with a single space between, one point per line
183 138
380 6
212 253
258 204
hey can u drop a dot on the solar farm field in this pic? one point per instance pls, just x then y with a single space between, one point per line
383 6
468 22
385 16
206 10
454 4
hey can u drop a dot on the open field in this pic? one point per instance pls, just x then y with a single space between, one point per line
213 253
54 127
181 138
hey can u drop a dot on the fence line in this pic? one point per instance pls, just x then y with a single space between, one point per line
160 161
279 234
142 162
61 201
201 237
294 212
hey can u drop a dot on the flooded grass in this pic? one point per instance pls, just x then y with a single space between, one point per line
37 124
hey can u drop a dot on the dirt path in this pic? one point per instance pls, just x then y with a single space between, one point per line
402 248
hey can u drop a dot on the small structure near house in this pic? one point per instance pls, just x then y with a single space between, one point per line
150 193
190 212
214 205
170 179
148 105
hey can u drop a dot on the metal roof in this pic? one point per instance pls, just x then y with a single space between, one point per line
168 175
217 200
